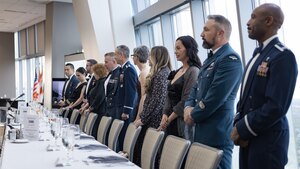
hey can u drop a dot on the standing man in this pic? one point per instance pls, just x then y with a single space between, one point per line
211 102
90 76
127 89
69 86
261 127
111 86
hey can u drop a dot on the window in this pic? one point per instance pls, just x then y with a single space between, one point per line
138 39
227 8
182 23
155 34
150 2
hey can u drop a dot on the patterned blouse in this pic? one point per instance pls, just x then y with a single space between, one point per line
155 99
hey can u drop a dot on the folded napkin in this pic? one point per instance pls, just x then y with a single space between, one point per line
86 137
108 159
92 147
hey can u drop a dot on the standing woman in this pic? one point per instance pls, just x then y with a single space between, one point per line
181 81
140 57
76 99
96 99
156 92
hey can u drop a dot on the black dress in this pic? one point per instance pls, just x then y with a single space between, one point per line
174 95
96 101
76 94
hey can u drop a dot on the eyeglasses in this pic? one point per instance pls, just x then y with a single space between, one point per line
134 56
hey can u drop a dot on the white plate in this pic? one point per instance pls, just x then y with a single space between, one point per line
20 141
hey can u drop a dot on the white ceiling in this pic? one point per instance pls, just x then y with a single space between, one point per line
16 15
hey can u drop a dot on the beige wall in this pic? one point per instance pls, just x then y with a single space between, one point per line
7 65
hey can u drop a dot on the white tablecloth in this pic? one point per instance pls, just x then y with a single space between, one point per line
33 155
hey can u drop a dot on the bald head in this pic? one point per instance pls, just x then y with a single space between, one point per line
274 11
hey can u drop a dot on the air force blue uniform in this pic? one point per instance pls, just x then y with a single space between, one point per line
213 100
263 106
128 89
121 96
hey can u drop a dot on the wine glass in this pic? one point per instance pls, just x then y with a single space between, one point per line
68 141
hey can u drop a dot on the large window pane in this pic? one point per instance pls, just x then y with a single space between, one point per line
155 34
227 8
150 2
182 23
142 4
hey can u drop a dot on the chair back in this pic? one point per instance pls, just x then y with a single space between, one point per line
114 133
130 139
90 123
2 138
202 156
74 116
103 128
151 144
83 119
173 153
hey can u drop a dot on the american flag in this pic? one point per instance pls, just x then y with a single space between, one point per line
38 91
35 94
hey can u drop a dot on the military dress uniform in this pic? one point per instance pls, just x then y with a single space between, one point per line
265 99
112 94
127 96
213 99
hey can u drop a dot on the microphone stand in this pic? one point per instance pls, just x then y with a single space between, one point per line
12 102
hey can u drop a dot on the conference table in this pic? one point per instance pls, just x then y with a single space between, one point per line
24 154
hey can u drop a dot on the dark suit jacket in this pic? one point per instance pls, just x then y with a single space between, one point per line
70 88
112 93
268 92
90 86
213 97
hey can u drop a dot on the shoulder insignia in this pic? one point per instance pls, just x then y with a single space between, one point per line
280 47
233 57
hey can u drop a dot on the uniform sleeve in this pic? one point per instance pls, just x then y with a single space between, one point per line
278 96
130 83
227 75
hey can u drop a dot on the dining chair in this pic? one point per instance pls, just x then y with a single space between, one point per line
88 128
173 153
114 133
203 156
103 128
83 119
151 144
74 116
130 139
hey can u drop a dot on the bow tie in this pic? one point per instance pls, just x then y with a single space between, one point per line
258 50
210 53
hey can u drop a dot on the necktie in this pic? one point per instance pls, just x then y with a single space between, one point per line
210 53
258 50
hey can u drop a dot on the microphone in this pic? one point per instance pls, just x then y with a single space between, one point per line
14 100
21 95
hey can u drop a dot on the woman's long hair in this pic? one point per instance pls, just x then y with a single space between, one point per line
159 58
191 47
